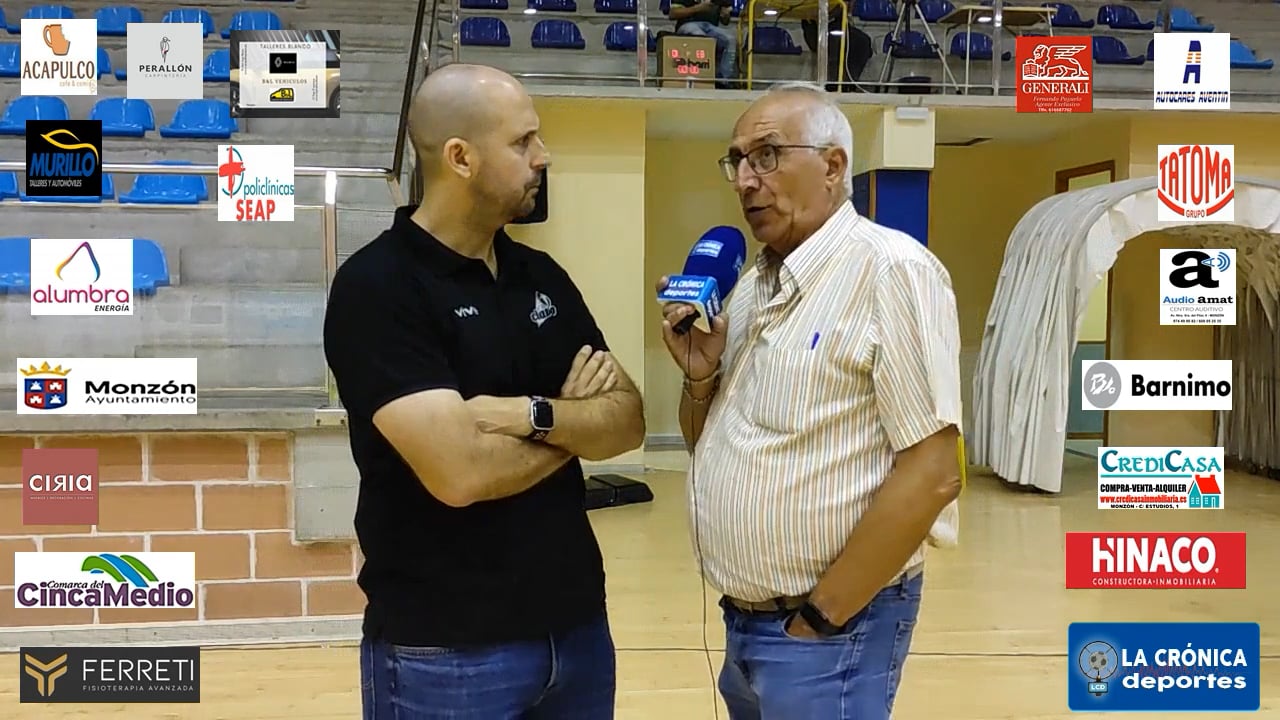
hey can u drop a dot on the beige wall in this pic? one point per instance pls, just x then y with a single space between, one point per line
1254 137
597 225
1136 334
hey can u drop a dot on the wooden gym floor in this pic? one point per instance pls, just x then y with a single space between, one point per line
989 646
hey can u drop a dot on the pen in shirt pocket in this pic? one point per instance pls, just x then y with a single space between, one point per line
814 342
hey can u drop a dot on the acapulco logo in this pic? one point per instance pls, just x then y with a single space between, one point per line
1196 183
1156 560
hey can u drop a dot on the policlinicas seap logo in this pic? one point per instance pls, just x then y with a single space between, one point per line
1163 667
255 183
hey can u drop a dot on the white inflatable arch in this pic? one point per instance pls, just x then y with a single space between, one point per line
1056 256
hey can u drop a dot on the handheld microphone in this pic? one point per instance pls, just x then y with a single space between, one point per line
710 272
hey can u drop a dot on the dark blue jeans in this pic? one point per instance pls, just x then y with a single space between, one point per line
569 676
771 675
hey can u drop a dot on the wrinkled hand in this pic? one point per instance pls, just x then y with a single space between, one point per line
592 373
501 415
697 353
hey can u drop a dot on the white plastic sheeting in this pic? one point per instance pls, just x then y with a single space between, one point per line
1057 254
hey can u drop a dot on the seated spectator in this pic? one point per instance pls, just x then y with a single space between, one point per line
703 18
857 52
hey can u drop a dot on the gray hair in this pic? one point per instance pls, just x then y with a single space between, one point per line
826 125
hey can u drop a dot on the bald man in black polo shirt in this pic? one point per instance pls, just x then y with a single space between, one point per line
474 377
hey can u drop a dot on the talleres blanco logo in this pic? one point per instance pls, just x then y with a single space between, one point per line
1196 183
255 183
81 277
1192 71
59 57
166 61
1182 478
104 580
106 386
1155 385
1198 287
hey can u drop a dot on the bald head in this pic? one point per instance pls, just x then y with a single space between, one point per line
459 101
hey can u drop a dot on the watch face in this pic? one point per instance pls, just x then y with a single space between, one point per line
542 415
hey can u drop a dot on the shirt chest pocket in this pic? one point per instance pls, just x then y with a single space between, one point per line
789 390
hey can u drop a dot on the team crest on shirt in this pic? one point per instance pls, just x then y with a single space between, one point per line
543 309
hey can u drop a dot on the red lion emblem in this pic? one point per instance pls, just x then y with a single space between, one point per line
1055 61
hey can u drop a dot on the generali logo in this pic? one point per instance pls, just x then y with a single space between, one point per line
1055 74
1196 183
1156 560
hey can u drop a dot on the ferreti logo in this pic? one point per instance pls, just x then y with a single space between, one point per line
75 580
81 277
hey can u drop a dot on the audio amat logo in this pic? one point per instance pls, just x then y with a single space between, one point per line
76 580
255 183
81 277
1210 274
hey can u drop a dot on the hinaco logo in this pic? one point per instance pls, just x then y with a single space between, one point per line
78 284
1196 183
74 580
44 387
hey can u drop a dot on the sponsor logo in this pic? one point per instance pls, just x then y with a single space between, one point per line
59 486
109 675
285 73
64 158
107 386
256 183
1192 71
1160 478
166 61
1196 183
1155 385
59 57
1155 560
1197 287
543 309
77 580
1055 74
81 277
282 95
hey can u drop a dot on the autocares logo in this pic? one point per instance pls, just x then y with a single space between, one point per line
76 580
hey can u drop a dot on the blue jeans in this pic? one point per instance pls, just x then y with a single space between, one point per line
726 46
569 676
771 675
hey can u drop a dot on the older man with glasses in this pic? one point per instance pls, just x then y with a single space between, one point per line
823 411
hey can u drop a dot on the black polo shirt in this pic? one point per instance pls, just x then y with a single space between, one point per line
408 314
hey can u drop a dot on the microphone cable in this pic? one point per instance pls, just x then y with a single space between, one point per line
697 540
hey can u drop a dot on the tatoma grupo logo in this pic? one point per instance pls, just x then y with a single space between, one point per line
59 57
81 277
255 183
1196 183
1160 478
1155 560
1210 275
77 580
107 386
64 158
1163 667
1155 385
1055 74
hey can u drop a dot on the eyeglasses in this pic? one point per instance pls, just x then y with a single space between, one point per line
762 160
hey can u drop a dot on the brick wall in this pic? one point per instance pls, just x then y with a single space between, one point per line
225 497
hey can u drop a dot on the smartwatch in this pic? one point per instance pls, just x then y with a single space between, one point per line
819 622
541 417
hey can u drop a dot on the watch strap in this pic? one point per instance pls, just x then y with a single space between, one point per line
819 622
538 433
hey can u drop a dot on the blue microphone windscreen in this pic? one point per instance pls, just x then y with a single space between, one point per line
719 253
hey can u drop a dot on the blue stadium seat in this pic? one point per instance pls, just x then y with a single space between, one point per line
979 46
43 12
877 11
1110 51
774 40
1067 16
167 189
253 20
1181 20
104 62
108 193
621 36
557 35
1122 17
1151 50
913 45
625 7
124 117
3 25
935 10
31 107
114 21
150 268
554 5
1242 58
8 185
217 67
204 118
15 265
191 15
483 4
484 32
11 60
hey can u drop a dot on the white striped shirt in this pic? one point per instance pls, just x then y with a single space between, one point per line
839 356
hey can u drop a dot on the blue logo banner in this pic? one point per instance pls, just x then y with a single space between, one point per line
1163 666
